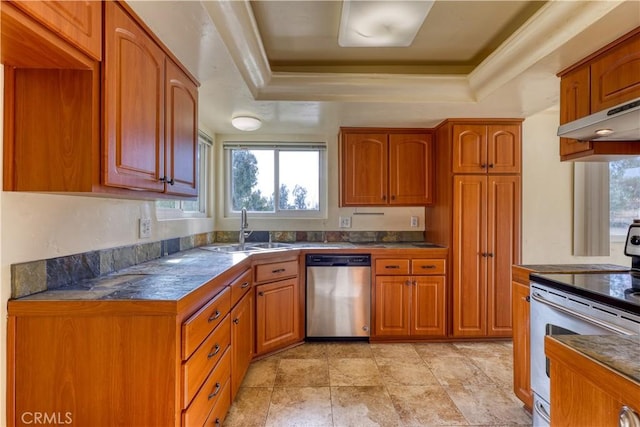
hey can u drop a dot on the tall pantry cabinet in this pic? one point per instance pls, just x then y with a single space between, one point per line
478 215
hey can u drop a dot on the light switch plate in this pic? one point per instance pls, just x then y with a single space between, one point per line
345 222
145 228
414 221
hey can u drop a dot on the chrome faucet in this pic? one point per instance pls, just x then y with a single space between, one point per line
244 224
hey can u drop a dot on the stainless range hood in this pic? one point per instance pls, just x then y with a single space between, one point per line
619 123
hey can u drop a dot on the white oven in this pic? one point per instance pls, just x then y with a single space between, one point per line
555 312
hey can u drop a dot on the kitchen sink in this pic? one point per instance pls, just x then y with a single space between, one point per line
269 245
248 247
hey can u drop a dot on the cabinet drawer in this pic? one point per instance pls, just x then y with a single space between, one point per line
392 266
428 266
197 327
196 369
276 270
240 286
219 411
214 389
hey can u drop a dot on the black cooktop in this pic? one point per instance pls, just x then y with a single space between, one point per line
620 290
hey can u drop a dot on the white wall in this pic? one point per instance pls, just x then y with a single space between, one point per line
392 219
547 202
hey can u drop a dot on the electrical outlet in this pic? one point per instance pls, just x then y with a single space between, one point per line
345 222
414 221
145 228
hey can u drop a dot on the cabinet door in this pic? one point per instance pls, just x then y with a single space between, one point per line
277 315
79 22
521 350
504 149
242 333
428 306
364 169
181 136
469 149
410 169
392 305
469 255
503 248
133 94
574 104
615 76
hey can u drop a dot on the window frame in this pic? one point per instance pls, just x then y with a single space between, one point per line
277 147
179 211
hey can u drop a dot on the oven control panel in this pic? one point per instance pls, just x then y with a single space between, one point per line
632 248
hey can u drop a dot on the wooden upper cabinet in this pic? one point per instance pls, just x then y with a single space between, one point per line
606 78
386 168
78 22
615 76
574 104
133 91
364 169
410 160
181 134
482 148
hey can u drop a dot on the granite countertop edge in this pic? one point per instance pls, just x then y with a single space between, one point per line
617 352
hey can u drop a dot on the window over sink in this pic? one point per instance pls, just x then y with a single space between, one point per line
275 179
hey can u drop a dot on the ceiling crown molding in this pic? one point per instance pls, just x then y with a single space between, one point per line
546 31
553 25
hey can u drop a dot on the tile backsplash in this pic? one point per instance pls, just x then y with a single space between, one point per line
37 276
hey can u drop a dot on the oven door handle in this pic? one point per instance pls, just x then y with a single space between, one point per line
615 329
540 409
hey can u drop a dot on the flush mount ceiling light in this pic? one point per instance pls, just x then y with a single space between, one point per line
246 123
381 23
604 132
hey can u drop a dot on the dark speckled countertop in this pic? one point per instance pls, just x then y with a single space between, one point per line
619 353
172 277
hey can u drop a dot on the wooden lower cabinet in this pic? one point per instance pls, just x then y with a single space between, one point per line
521 343
410 305
587 393
277 315
242 337
130 363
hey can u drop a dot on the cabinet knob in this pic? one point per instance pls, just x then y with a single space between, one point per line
393 197
628 418
167 180
214 316
483 165
408 283
215 391
215 350
491 165
384 197
236 320
527 298
260 294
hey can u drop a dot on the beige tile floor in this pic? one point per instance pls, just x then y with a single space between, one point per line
361 384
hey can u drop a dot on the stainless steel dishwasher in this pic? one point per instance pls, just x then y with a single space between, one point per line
338 296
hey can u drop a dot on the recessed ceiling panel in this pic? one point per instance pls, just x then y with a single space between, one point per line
455 37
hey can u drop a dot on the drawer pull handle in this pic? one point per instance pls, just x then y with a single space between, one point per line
391 266
236 320
215 391
428 266
245 285
216 350
279 270
218 423
214 316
